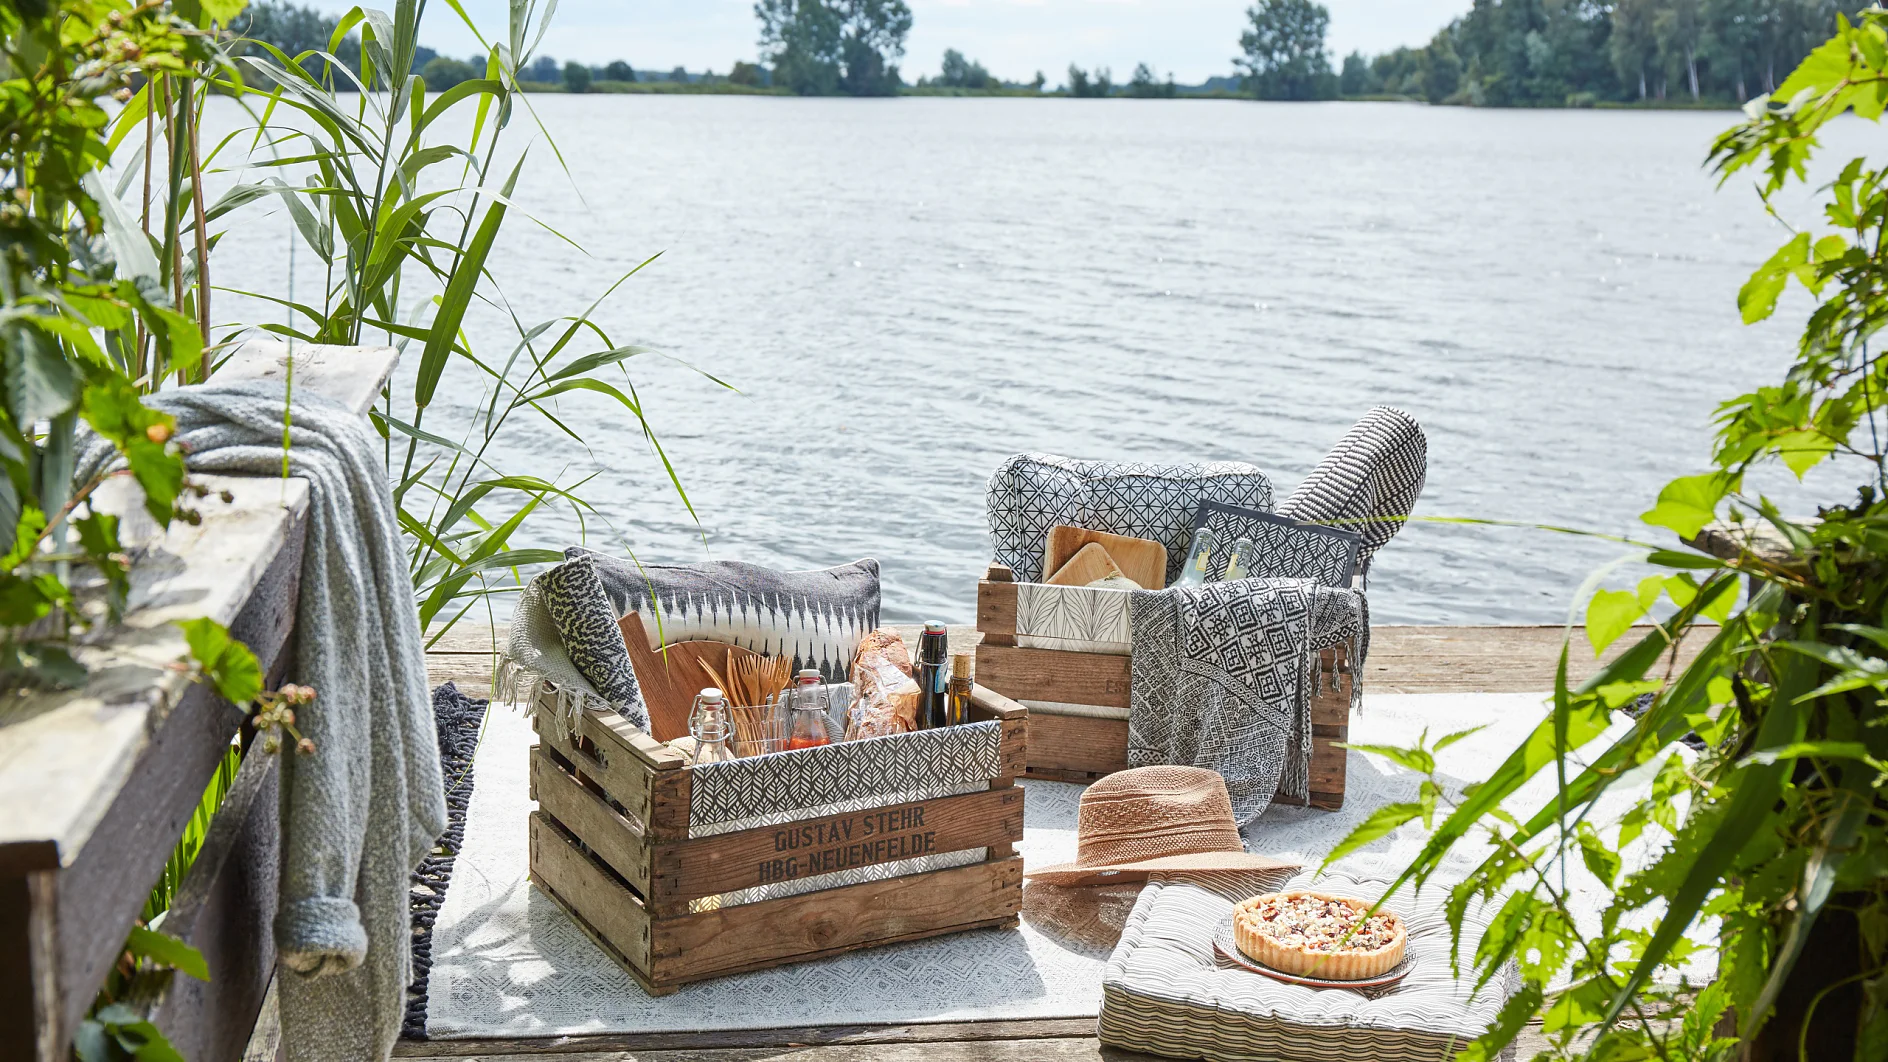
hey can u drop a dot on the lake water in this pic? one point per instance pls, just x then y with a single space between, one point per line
907 291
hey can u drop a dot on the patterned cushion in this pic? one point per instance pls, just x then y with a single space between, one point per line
1166 992
1286 549
1032 493
586 623
817 616
1369 481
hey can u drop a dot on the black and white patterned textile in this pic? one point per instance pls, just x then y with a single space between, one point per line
1165 990
1031 493
1223 674
817 617
1369 481
586 623
1285 548
748 790
458 720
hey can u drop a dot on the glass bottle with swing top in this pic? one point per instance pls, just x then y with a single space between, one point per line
806 710
712 727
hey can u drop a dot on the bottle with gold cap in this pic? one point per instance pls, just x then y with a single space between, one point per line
957 706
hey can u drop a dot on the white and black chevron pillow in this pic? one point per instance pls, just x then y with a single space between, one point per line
1031 493
1370 480
586 621
815 617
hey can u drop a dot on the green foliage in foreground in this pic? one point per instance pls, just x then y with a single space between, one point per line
1778 827
398 218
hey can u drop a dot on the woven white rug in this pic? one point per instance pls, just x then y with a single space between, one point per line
509 963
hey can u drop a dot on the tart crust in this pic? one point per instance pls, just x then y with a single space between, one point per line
1339 964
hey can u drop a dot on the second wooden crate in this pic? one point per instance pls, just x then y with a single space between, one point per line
618 842
1075 682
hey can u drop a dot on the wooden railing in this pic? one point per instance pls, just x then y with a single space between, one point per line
98 783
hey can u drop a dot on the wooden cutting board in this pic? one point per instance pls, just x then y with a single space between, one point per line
1140 559
671 677
1090 563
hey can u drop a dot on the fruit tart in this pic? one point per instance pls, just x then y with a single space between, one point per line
1310 934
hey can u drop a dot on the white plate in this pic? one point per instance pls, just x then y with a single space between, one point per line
1224 943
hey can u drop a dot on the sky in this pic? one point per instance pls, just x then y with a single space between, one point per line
1190 39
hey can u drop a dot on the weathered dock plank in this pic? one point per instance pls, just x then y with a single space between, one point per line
1484 659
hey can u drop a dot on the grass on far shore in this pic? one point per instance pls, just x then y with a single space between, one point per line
661 88
729 88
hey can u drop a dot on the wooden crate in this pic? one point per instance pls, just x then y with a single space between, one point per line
1081 748
610 844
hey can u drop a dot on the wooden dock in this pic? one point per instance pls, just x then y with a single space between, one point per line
1402 660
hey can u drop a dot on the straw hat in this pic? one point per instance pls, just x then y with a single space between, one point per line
1172 819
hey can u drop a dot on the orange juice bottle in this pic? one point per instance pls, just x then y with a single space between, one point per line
806 705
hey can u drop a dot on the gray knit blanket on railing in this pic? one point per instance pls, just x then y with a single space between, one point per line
1223 677
361 811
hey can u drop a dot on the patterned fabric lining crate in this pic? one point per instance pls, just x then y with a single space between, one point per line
1063 653
685 873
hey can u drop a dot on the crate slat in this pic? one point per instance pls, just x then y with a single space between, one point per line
709 866
1079 746
664 953
625 779
832 921
1061 675
613 838
599 902
996 612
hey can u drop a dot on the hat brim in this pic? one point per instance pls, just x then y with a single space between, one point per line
1139 869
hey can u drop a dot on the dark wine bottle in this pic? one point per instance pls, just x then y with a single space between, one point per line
933 676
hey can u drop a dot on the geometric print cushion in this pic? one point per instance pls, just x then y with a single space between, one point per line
1283 547
1370 480
815 617
736 794
586 623
1031 493
1165 991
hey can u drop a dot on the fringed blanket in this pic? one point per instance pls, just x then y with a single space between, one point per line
535 656
1223 677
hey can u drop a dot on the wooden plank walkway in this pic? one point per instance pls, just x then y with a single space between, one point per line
1402 660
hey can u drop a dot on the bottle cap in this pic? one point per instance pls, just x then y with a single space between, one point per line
960 665
935 627
809 674
709 693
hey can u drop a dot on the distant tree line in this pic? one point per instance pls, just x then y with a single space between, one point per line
1502 53
296 29
1521 53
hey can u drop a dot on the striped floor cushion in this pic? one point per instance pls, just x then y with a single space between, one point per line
1165 992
